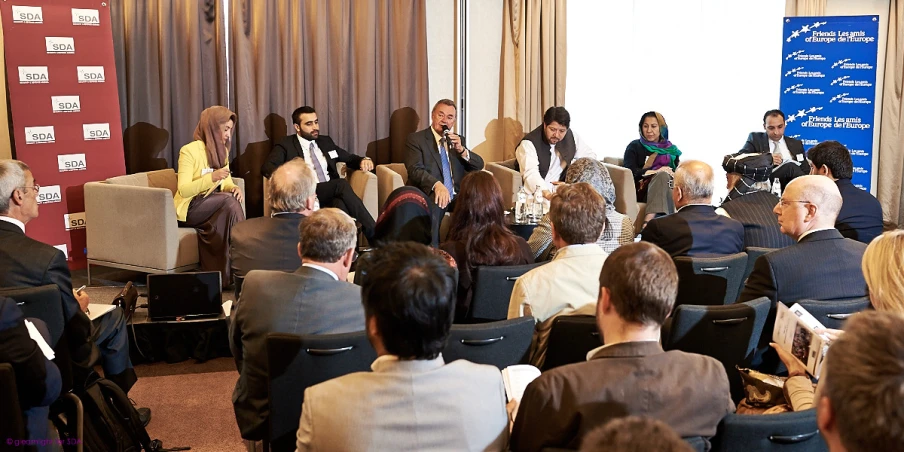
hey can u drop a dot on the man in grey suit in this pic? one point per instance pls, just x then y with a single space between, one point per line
631 375
269 243
412 400
315 299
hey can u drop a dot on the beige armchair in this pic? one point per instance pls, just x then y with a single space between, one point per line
131 224
364 184
509 179
389 177
625 191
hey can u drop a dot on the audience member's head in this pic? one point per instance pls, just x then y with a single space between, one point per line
481 226
556 122
748 173
831 159
327 238
18 191
405 218
882 264
808 203
408 294
292 187
774 124
578 215
693 183
593 172
653 127
638 286
634 434
860 396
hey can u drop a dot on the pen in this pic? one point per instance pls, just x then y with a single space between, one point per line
80 289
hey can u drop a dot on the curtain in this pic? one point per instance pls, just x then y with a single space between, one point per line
533 66
170 65
6 151
891 134
362 64
805 8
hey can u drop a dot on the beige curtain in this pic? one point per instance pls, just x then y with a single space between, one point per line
170 65
362 64
805 8
533 67
891 134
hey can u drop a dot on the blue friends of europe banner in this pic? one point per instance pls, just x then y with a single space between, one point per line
829 84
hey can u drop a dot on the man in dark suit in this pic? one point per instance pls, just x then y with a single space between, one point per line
695 229
860 217
332 190
631 375
787 153
315 299
822 265
25 262
268 243
750 202
436 163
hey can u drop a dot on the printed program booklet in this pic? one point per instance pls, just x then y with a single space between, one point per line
798 332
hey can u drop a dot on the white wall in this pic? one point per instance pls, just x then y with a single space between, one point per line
441 24
484 53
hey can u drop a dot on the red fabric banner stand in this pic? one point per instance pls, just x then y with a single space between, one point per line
64 105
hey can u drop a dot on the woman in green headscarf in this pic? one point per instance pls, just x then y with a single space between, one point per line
653 159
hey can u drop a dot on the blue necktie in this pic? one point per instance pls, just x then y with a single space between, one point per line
317 166
447 170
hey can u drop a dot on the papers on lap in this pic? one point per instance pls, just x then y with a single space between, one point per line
797 332
97 310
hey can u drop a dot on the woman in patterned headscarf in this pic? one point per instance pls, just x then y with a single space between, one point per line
619 228
653 159
203 165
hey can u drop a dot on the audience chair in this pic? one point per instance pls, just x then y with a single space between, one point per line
493 290
753 253
509 180
297 362
499 344
628 186
570 338
13 425
389 177
43 302
710 280
832 314
785 432
114 207
729 334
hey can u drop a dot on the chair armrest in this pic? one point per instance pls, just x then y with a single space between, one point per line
387 181
509 180
239 182
364 184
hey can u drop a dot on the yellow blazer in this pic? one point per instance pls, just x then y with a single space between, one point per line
190 182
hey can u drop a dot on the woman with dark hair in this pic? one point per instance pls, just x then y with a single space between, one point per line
653 160
478 235
203 165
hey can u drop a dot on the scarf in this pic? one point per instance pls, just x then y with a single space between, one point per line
664 147
208 131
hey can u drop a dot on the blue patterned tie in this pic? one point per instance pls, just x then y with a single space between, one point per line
321 176
447 170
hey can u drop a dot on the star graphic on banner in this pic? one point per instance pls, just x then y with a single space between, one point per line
805 29
813 109
795 34
791 118
801 113
817 24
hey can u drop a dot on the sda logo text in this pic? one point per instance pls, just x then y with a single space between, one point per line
72 162
49 194
57 45
37 135
33 74
85 17
90 74
27 15
75 220
65 104
96 131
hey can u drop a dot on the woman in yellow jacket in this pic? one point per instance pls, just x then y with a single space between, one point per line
203 164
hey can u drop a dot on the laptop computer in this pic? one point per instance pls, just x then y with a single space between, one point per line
184 296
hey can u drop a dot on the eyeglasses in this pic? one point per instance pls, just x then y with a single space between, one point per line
784 202
35 187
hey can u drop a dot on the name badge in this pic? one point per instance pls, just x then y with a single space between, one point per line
800 157
206 171
334 154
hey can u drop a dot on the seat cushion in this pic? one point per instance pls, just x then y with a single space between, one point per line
165 178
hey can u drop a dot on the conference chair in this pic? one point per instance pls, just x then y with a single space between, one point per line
493 290
641 211
832 314
131 224
509 180
297 362
729 334
753 253
783 432
42 302
709 280
390 176
625 193
13 425
570 338
499 344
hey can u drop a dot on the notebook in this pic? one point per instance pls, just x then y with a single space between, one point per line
184 296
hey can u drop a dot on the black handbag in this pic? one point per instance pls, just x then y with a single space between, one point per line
127 300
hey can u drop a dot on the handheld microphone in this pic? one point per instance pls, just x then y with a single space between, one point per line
447 137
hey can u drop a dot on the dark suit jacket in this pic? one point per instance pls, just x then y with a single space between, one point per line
758 142
696 231
307 301
425 168
688 392
25 262
37 379
265 243
754 211
289 148
860 217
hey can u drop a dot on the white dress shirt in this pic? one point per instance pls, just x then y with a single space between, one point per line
526 153
782 149
306 149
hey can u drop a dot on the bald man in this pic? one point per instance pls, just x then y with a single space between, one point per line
822 265
695 229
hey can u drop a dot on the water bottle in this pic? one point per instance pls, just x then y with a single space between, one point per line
521 206
776 188
538 204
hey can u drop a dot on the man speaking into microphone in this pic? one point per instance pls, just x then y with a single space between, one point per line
437 160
